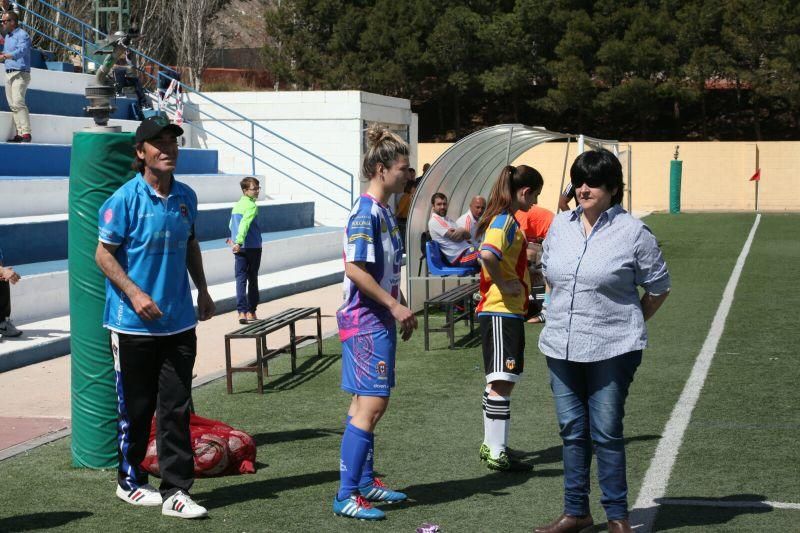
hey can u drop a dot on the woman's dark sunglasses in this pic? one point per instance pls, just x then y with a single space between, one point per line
591 182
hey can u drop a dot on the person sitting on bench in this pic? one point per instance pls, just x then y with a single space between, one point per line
452 240
469 220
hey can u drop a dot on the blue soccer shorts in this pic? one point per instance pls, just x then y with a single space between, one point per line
368 363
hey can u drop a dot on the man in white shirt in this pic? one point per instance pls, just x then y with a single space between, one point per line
453 240
469 220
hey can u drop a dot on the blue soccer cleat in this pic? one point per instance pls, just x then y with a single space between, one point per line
378 492
356 506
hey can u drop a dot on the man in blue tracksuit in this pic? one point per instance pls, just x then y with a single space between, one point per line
147 250
246 244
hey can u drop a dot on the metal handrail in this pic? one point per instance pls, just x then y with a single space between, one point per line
191 90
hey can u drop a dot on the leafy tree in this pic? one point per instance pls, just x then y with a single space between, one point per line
452 47
617 68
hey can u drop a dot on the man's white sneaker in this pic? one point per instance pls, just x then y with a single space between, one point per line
146 495
7 329
182 506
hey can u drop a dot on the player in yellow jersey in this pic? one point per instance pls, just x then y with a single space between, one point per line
505 285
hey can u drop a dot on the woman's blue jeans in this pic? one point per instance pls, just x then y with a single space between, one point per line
590 406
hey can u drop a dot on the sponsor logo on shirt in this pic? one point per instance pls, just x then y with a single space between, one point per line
108 215
355 236
361 222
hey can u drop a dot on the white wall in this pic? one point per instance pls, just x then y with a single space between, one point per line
326 123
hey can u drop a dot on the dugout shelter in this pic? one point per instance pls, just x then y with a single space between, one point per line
470 167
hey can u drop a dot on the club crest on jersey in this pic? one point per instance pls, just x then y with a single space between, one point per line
510 363
108 215
184 210
381 368
384 229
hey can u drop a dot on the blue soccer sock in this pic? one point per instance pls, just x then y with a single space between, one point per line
356 444
368 474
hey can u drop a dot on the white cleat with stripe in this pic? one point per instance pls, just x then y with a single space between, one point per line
146 495
182 506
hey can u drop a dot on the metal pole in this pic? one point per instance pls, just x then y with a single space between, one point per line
253 146
581 144
508 148
758 180
83 48
564 170
630 180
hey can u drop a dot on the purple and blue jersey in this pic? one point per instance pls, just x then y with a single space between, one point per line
372 237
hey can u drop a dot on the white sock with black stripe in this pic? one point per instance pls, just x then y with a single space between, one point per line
496 421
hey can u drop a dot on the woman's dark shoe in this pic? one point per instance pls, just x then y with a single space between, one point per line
567 524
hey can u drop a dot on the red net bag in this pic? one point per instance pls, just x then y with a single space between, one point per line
219 449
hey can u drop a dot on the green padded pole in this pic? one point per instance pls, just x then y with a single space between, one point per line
675 173
100 164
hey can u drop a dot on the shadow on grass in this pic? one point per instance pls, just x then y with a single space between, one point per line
553 454
470 340
38 521
264 489
276 437
306 371
699 511
493 483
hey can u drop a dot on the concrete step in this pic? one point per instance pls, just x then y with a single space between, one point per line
43 292
34 239
46 339
36 159
52 192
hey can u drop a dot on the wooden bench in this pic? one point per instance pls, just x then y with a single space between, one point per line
259 330
461 295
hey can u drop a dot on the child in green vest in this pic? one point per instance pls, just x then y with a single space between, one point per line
246 245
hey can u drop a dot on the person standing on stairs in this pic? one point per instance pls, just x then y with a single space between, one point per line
246 245
17 57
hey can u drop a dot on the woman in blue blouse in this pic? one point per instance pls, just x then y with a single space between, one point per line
595 258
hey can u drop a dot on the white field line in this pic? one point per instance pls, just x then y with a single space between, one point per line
730 503
657 477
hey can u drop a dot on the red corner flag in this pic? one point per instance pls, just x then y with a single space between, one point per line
756 176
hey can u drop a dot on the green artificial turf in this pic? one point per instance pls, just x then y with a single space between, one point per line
427 444
742 441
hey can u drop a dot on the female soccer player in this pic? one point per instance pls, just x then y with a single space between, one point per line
504 287
373 251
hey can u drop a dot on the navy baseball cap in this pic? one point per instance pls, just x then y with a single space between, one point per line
151 127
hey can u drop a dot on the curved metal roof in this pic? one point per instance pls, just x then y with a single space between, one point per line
469 168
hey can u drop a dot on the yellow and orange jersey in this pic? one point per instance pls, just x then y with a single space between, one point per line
507 242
